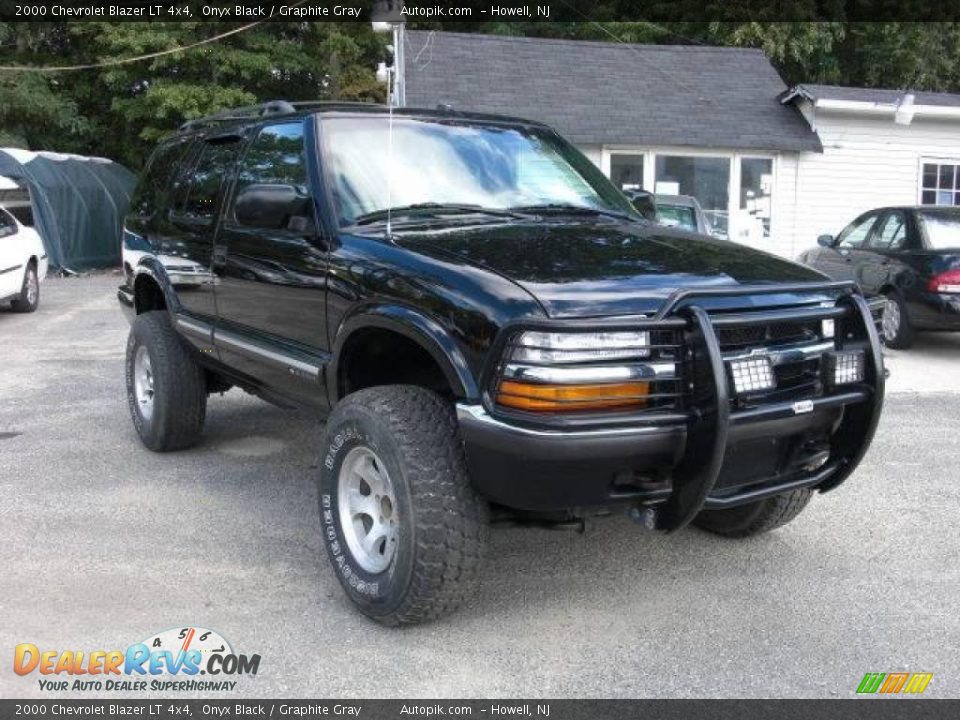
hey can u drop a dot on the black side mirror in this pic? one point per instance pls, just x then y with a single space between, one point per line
271 206
827 241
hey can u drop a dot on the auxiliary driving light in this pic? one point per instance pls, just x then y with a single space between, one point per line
828 328
843 368
752 374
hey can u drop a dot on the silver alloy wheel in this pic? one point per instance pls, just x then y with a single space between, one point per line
32 289
368 509
143 382
891 319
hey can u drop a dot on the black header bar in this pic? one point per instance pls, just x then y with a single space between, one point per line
895 708
460 11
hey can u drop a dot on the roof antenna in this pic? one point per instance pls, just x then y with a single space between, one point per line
389 156
392 76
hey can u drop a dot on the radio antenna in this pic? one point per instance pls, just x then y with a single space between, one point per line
390 99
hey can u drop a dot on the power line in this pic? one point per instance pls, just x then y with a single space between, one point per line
670 77
128 61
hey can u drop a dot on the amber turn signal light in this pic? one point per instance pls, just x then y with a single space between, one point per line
572 398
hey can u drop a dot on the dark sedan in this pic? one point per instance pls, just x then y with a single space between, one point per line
910 255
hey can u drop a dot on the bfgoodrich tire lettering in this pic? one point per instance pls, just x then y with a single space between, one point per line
441 519
177 386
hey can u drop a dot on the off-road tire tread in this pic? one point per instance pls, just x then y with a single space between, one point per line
20 304
450 517
181 378
759 518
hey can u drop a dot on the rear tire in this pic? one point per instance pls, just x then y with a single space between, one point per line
754 518
898 331
402 525
29 297
166 387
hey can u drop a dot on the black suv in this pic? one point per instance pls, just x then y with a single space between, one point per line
492 333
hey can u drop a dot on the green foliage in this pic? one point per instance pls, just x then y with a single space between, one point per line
120 111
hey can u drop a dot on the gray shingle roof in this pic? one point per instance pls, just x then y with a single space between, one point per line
611 93
870 95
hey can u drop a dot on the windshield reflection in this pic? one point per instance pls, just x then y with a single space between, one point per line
432 162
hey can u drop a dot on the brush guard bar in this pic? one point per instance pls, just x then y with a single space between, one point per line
708 424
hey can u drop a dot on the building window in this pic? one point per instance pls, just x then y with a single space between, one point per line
940 183
626 171
705 178
756 195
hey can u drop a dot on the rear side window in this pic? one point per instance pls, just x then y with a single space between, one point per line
7 225
205 179
891 233
275 157
154 189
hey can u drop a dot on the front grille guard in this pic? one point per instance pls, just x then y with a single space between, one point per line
709 423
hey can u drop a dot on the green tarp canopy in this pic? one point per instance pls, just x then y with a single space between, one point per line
78 204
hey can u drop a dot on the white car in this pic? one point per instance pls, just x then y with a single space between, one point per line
23 264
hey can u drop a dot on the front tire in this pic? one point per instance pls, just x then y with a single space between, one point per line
402 525
754 518
166 387
897 329
29 297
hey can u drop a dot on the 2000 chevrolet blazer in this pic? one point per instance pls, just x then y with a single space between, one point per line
490 330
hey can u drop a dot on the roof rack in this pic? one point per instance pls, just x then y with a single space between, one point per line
272 107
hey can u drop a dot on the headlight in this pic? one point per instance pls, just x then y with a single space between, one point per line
548 348
578 372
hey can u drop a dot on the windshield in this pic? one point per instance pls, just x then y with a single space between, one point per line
457 163
943 230
677 216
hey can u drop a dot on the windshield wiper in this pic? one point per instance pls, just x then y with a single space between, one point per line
573 210
434 208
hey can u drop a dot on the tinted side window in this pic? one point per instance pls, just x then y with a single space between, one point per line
275 157
855 234
891 233
155 186
213 166
7 225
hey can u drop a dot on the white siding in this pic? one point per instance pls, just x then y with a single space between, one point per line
594 152
867 162
784 213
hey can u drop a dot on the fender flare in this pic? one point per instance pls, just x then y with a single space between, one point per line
150 266
427 333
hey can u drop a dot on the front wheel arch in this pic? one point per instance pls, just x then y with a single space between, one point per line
429 335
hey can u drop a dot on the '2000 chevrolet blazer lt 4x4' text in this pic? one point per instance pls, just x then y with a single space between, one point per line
490 331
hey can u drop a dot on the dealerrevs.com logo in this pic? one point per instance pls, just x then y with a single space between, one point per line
172 660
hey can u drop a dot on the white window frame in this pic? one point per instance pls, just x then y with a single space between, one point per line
733 187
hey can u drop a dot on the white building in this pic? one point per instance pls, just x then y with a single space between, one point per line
773 167
880 147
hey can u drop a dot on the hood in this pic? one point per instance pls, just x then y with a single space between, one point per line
605 267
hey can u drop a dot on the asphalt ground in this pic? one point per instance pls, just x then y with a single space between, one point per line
103 543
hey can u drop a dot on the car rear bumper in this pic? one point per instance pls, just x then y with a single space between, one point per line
936 311
715 455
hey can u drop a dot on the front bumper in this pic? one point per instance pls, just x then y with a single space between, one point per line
712 455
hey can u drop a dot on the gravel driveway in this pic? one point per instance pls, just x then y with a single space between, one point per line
103 544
